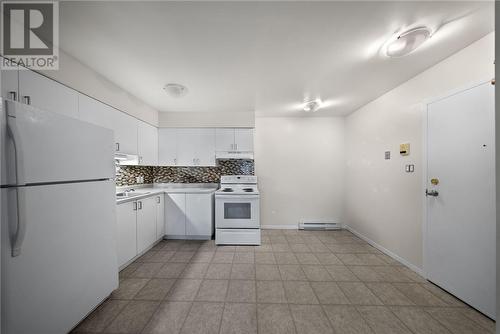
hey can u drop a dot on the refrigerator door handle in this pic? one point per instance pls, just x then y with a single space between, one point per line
13 132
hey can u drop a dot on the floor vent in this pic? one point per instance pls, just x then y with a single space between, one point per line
319 225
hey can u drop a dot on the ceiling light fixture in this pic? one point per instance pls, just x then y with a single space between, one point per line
407 42
312 106
175 90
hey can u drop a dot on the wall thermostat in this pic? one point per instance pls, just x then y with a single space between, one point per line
404 149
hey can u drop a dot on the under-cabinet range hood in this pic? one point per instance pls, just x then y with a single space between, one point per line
233 155
126 159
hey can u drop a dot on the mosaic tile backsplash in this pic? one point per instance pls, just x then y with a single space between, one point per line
126 175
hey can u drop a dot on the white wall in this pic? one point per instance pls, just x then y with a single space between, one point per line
207 119
85 80
384 203
300 165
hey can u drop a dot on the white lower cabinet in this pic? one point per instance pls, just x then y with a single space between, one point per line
189 216
175 218
146 223
126 235
139 225
199 215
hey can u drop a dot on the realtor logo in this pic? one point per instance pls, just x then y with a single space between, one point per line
30 34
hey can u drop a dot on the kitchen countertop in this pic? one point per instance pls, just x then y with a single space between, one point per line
147 190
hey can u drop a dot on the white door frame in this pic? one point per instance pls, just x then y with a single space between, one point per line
424 110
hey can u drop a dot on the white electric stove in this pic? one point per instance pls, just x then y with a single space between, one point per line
237 212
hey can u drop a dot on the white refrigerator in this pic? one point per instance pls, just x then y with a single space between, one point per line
57 219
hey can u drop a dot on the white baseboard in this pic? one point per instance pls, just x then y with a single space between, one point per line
386 251
280 227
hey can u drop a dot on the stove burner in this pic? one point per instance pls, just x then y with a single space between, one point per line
227 190
248 190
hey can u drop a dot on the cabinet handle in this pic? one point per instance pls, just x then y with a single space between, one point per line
13 95
27 99
117 146
236 147
158 200
194 161
135 206
140 205
175 161
140 159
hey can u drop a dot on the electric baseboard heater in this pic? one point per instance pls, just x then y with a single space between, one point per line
319 225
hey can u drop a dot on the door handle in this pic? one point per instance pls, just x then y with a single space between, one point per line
13 95
432 193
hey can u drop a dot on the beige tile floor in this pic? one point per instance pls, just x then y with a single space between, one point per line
295 282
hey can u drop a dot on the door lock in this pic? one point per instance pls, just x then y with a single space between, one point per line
432 193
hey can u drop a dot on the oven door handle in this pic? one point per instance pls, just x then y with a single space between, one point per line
238 198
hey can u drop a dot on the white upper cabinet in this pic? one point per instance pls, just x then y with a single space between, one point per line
205 147
167 147
243 140
125 132
234 139
47 94
124 126
147 144
187 147
224 139
187 141
10 83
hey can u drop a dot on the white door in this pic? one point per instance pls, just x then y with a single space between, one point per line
205 148
126 236
160 216
187 140
243 139
199 215
47 94
175 215
146 223
224 139
460 238
167 147
147 144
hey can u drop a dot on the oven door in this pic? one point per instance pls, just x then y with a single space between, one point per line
234 211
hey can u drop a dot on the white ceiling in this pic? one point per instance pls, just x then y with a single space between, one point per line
263 56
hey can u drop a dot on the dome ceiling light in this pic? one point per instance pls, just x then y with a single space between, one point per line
312 106
175 90
407 42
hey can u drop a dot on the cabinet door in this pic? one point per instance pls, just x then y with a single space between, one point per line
125 132
243 139
199 215
224 140
175 218
205 148
97 113
167 147
187 142
147 144
160 216
47 94
10 82
126 236
146 223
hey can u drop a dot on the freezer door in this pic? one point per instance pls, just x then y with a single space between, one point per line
52 148
67 264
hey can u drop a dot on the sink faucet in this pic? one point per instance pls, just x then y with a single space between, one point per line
129 190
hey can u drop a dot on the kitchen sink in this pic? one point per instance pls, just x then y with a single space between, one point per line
130 194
